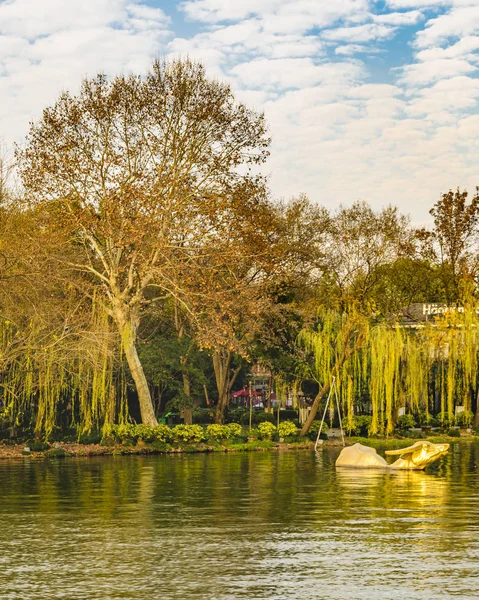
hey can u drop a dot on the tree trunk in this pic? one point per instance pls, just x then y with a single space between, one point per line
186 384
187 416
224 380
207 398
127 329
221 366
476 416
187 409
314 408
269 408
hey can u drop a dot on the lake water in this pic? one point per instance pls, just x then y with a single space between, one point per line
254 525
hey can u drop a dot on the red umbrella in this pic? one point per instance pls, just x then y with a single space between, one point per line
244 393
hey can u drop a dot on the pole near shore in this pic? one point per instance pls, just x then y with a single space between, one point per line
250 407
333 385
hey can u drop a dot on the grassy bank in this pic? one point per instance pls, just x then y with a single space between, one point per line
72 449
69 449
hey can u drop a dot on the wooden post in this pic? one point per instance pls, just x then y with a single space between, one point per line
250 407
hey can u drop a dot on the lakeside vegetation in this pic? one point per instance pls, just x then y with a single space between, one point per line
145 268
140 439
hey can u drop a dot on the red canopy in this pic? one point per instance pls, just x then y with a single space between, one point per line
244 393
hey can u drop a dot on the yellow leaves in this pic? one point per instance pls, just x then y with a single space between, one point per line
393 366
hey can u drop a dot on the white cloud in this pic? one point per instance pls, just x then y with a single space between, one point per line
435 69
459 22
352 49
465 46
399 18
30 19
294 72
451 95
339 131
429 3
337 136
212 11
45 48
312 13
360 33
249 37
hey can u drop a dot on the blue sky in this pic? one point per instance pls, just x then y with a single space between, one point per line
365 99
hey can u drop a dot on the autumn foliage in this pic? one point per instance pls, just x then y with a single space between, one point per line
143 256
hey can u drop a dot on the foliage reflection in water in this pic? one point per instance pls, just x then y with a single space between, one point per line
258 525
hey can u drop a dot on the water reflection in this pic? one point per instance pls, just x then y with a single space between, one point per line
256 525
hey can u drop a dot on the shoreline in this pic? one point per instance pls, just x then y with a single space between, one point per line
77 450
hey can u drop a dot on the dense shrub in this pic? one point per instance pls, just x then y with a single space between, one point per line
427 420
124 432
288 414
244 418
256 417
454 433
145 433
264 417
465 418
405 422
446 421
266 430
414 434
202 416
235 429
163 434
90 437
218 432
287 428
37 445
235 414
360 425
188 433
56 453
313 430
254 434
128 432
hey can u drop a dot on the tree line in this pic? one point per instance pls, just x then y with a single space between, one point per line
141 253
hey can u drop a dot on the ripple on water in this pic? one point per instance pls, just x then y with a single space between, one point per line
258 525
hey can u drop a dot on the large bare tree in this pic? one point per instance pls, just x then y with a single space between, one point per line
139 171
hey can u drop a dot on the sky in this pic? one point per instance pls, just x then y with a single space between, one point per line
365 99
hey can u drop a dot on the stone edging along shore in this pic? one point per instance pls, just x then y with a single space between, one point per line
69 449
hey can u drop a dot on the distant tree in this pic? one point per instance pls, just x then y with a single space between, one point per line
239 262
360 241
140 172
403 282
279 255
455 231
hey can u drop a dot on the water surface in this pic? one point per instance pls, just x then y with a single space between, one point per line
233 526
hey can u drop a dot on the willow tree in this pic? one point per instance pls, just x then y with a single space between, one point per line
138 169
397 367
56 347
332 344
